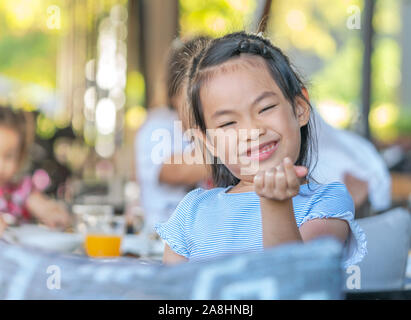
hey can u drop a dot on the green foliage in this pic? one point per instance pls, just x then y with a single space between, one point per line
319 29
29 58
215 17
403 123
135 88
28 49
340 78
386 76
45 127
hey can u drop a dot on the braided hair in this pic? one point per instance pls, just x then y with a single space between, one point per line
223 49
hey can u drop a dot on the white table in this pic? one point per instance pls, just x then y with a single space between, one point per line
42 237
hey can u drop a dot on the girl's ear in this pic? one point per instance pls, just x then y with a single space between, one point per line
305 93
303 108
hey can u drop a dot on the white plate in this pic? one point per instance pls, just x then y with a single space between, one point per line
139 244
41 237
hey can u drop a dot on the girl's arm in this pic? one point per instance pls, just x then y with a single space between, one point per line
279 225
276 189
357 188
182 174
170 257
47 211
177 172
325 227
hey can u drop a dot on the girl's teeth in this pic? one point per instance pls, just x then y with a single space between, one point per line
268 148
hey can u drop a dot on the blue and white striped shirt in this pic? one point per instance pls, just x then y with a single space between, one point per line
209 223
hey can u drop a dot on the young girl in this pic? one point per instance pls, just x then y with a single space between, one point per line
242 82
20 200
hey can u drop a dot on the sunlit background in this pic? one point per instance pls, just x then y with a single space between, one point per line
83 67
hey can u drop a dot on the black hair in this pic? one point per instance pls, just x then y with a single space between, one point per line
221 50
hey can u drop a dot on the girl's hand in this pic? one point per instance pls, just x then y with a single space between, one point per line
280 183
48 211
57 217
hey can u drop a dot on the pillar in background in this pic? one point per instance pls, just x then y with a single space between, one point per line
368 34
406 54
159 26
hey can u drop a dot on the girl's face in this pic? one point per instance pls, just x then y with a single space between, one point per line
242 96
9 154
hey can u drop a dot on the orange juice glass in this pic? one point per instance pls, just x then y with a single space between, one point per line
102 230
103 245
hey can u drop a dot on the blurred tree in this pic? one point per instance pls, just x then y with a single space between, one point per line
28 48
317 36
215 17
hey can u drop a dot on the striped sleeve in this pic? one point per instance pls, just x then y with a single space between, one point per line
334 201
173 232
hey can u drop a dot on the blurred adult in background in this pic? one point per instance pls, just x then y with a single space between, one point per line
164 183
347 157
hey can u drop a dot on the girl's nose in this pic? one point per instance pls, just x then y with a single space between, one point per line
252 131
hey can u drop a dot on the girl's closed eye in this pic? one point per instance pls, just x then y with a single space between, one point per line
267 108
227 124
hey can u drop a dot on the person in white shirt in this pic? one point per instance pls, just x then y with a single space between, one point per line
164 179
349 158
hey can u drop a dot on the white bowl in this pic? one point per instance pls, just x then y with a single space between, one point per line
41 237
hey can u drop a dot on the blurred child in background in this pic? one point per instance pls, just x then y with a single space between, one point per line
20 199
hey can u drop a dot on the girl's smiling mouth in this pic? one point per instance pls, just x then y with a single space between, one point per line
263 151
